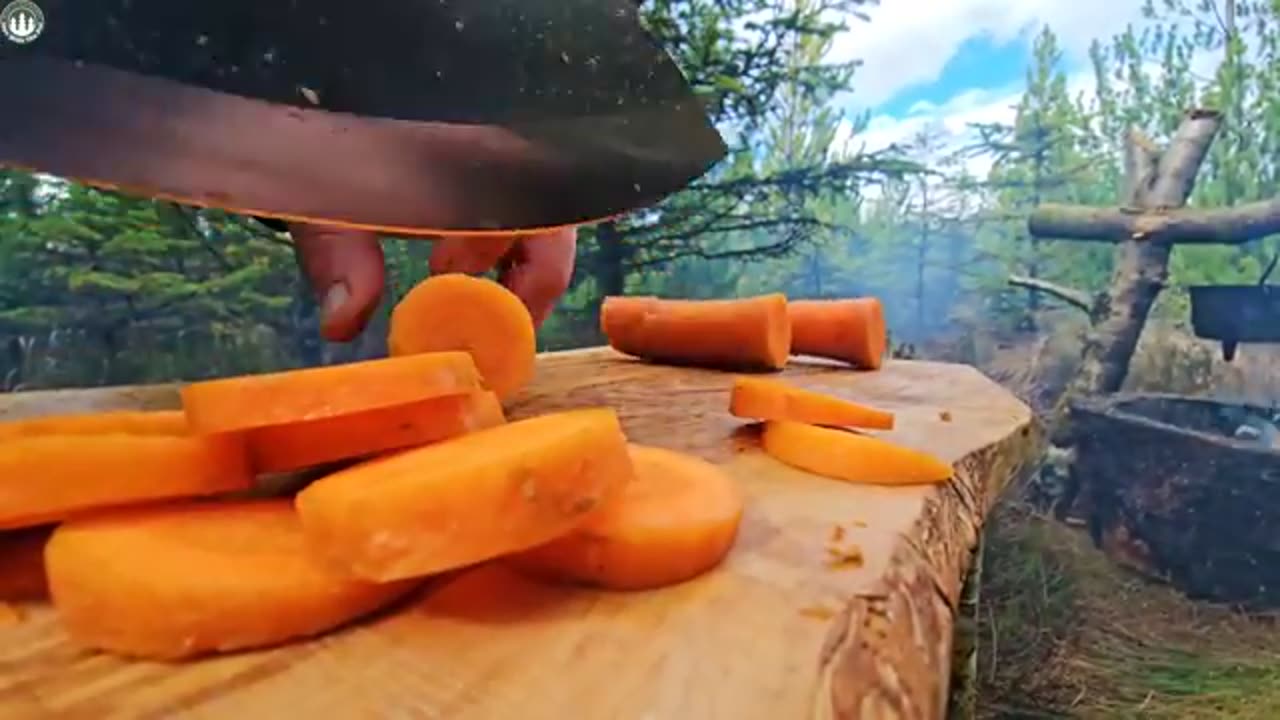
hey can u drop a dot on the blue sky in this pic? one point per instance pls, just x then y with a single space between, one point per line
979 62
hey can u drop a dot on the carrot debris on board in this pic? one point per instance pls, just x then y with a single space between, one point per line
140 422
283 448
744 333
45 478
852 330
470 314
850 456
291 396
188 579
675 521
467 499
22 564
769 399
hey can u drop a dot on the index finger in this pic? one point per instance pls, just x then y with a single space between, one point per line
541 269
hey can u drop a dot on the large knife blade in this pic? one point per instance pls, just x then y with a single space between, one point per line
407 116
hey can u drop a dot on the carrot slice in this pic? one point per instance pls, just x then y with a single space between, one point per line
196 578
677 520
279 398
850 456
472 314
851 330
44 478
156 422
748 333
22 564
282 448
467 499
768 399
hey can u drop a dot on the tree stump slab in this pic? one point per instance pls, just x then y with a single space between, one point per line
778 631
1186 490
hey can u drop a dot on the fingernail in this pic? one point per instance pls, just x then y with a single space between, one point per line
334 299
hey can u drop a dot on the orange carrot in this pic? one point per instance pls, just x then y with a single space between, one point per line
190 579
850 456
249 401
745 333
156 422
282 448
676 521
467 499
768 399
471 314
849 330
22 564
44 478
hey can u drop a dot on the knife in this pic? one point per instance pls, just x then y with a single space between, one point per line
412 117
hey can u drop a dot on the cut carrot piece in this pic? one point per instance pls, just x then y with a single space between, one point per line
196 578
851 330
768 399
471 314
157 422
282 448
676 521
280 398
745 333
467 499
850 456
44 478
22 564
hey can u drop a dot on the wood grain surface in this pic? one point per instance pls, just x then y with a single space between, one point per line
779 631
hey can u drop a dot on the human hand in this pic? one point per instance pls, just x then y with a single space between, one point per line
345 269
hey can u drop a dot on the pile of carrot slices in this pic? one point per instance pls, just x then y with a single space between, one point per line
143 529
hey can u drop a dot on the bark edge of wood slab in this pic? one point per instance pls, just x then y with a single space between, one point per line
777 631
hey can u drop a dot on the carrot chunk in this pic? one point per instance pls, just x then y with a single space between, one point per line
22 564
768 399
850 456
471 314
44 478
747 333
283 448
196 578
677 520
279 398
851 330
155 422
467 499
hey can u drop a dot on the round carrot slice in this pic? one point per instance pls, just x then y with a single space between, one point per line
249 401
132 422
192 579
675 521
476 315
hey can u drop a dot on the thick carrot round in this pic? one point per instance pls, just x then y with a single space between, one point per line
283 448
744 333
851 330
22 564
769 399
675 521
44 478
850 456
154 422
467 499
249 401
474 315
196 578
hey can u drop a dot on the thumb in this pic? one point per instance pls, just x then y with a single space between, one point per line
345 270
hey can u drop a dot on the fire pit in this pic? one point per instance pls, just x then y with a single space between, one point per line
1185 489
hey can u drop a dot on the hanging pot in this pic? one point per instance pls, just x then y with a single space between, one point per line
1235 314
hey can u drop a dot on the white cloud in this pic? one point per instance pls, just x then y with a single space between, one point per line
907 44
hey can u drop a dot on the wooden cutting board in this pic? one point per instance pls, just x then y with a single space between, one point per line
780 631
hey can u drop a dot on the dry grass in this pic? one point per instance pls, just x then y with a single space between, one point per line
1068 634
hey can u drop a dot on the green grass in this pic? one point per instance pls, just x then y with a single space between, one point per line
1068 634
